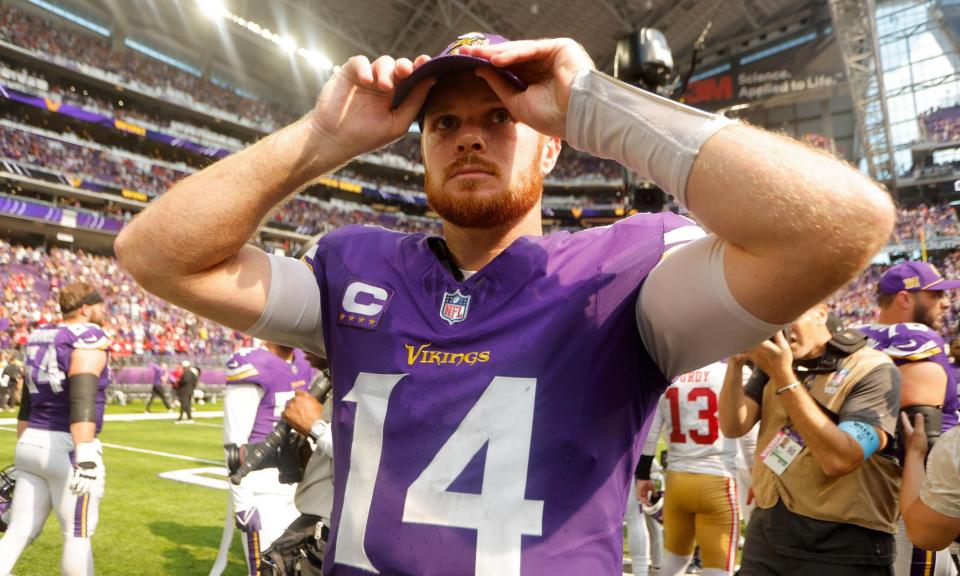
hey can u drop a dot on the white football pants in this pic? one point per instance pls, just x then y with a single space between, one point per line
44 470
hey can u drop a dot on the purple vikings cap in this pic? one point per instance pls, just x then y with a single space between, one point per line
450 60
914 277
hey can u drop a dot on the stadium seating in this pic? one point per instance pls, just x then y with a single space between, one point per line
934 219
32 88
941 125
142 325
93 55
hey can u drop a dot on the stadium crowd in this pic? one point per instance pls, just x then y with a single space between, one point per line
68 154
140 323
24 79
93 52
940 125
935 220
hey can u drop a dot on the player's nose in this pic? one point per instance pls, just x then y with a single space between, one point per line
470 141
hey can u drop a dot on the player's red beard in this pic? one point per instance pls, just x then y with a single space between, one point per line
464 208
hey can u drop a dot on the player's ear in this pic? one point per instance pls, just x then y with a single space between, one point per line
550 147
904 299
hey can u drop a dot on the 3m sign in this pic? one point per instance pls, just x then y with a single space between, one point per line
714 89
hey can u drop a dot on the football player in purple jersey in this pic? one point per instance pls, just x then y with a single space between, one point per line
489 384
260 381
58 457
912 298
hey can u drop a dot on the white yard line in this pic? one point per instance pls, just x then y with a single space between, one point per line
137 417
144 451
157 453
199 477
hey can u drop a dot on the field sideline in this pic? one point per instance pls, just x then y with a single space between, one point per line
148 525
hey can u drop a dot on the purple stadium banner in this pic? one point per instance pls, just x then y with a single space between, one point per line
115 123
144 375
24 208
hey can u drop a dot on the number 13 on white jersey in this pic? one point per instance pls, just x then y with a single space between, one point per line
502 419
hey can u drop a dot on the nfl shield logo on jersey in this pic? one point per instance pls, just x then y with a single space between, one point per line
454 307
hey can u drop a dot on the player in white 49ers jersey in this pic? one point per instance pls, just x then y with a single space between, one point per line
700 495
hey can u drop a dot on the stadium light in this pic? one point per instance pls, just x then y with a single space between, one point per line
319 61
213 9
287 44
216 9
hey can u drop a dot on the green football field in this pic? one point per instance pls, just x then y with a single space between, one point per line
148 525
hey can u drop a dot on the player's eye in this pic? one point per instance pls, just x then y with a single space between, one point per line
446 122
501 116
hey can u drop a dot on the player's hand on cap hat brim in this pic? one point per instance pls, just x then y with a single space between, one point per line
548 67
354 107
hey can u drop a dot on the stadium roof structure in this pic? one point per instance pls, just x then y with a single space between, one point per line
341 28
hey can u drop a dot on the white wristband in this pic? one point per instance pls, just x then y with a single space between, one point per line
651 135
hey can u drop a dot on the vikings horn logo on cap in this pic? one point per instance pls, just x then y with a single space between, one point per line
468 39
450 60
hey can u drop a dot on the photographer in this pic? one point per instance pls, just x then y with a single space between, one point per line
825 480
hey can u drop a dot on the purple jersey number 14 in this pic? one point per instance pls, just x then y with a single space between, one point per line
502 419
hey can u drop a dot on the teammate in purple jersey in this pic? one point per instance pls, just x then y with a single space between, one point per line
912 298
58 457
260 381
489 385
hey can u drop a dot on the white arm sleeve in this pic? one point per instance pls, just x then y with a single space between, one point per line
292 316
686 314
651 135
240 403
650 444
